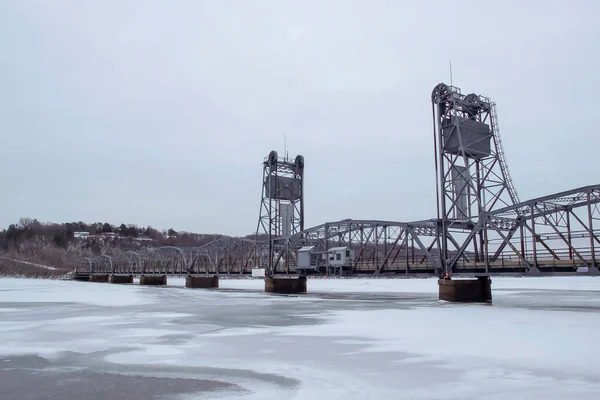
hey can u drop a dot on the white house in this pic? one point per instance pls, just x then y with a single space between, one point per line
340 256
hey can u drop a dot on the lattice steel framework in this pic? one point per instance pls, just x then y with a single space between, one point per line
381 247
556 234
550 234
471 172
230 256
282 202
481 229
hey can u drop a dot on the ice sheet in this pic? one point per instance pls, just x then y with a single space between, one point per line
536 341
21 290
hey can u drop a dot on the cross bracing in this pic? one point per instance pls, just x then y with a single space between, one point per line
481 227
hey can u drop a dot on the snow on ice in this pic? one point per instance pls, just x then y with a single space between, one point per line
347 338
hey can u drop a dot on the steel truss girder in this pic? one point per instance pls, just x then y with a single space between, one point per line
395 247
518 237
230 256
380 246
562 217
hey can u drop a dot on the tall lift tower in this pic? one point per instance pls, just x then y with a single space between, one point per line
282 204
472 175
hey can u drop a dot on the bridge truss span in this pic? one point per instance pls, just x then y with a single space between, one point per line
376 247
224 256
230 256
481 227
555 234
550 234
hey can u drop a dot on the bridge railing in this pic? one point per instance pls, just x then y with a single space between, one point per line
559 258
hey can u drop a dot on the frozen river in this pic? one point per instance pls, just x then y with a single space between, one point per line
346 339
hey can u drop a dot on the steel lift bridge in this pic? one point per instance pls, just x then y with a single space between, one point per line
481 229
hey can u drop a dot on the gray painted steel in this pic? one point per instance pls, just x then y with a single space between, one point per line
463 134
482 228
283 188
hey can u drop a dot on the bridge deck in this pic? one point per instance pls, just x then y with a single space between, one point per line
508 268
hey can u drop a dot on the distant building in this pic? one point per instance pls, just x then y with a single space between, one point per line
81 234
143 238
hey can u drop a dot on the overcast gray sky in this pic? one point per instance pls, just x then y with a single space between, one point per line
160 113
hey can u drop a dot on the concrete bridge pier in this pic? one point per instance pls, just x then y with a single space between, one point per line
121 279
466 290
594 271
154 280
285 285
99 278
201 282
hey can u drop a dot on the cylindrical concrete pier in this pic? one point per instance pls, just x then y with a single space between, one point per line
99 278
201 282
466 290
154 280
121 279
285 285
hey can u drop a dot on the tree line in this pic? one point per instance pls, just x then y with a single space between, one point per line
62 235
56 245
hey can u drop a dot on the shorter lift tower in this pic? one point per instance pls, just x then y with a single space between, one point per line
471 172
282 205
